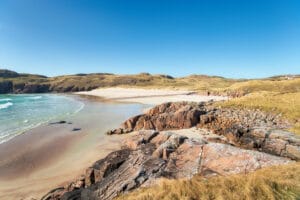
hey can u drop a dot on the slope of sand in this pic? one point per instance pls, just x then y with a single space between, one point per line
149 96
48 156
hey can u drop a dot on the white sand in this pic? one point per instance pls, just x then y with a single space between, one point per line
149 96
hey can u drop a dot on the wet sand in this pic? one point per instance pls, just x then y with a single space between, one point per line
50 155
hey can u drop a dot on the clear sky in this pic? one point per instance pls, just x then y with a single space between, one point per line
231 38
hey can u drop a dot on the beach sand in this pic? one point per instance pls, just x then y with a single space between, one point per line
149 96
48 156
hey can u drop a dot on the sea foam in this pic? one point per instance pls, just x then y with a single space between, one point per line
35 97
19 113
5 105
5 99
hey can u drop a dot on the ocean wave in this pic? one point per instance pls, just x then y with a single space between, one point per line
5 105
35 97
5 99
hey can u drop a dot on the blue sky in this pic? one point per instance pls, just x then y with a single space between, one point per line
231 38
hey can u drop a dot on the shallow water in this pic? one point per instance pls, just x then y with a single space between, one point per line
19 113
49 155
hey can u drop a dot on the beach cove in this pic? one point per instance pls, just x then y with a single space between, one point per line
46 156
51 154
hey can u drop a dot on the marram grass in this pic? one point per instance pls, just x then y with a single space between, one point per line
278 182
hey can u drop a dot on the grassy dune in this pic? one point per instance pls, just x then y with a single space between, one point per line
279 182
143 80
277 96
288 104
277 85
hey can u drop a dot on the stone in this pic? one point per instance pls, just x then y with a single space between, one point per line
173 155
274 146
292 152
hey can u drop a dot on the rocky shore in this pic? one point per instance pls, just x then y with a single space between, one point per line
179 140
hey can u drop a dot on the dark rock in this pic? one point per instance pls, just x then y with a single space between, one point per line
6 87
76 129
18 87
58 122
36 88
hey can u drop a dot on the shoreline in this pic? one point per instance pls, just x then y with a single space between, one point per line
46 121
49 156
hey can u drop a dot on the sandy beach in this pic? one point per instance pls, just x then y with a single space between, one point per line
149 96
48 156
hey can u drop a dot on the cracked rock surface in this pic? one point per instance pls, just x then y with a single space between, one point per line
208 141
249 129
150 155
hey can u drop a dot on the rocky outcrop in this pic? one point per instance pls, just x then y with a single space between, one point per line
168 116
10 87
151 155
221 141
249 129
6 87
36 88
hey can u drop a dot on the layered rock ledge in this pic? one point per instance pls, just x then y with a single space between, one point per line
220 142
249 129
150 155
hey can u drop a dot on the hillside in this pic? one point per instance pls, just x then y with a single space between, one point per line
28 83
279 94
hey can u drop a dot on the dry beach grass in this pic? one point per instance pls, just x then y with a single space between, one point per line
288 104
279 182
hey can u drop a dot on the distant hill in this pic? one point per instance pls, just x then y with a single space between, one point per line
4 73
13 82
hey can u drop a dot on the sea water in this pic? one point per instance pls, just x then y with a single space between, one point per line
22 112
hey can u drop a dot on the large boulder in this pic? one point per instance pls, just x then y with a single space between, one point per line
168 116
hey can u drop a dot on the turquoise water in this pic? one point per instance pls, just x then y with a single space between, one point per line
19 113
